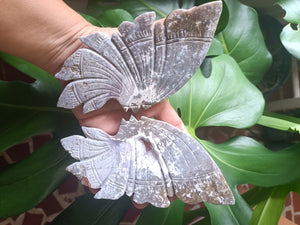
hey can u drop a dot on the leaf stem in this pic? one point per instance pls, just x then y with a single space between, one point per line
280 122
224 44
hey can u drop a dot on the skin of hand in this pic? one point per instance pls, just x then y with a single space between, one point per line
46 33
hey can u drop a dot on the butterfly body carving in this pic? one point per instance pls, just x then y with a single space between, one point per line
144 64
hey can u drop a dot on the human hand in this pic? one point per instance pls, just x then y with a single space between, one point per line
30 31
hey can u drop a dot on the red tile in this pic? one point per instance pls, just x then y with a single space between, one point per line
288 215
3 162
297 219
132 214
242 189
69 186
241 132
50 205
15 217
214 134
38 141
10 73
296 202
188 207
33 219
18 152
288 200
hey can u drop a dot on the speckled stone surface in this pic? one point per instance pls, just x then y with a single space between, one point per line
144 64
171 164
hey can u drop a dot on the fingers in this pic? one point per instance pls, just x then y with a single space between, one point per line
108 118
94 191
163 111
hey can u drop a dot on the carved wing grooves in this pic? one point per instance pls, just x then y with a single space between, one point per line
138 37
175 164
96 72
147 63
194 187
88 168
188 36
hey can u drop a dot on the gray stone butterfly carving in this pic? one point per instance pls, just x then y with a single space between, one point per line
146 63
175 164
143 65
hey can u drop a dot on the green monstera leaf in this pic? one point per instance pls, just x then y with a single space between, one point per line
28 110
227 98
87 210
292 8
269 209
290 36
26 183
242 39
243 160
291 40
238 214
269 202
171 215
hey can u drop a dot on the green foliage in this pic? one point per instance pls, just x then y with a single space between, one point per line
244 160
292 8
87 210
269 209
171 215
280 122
243 40
114 17
238 214
221 100
201 212
290 37
29 181
225 96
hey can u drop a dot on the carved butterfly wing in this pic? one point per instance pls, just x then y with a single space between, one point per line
146 64
195 176
95 78
182 43
95 155
144 179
